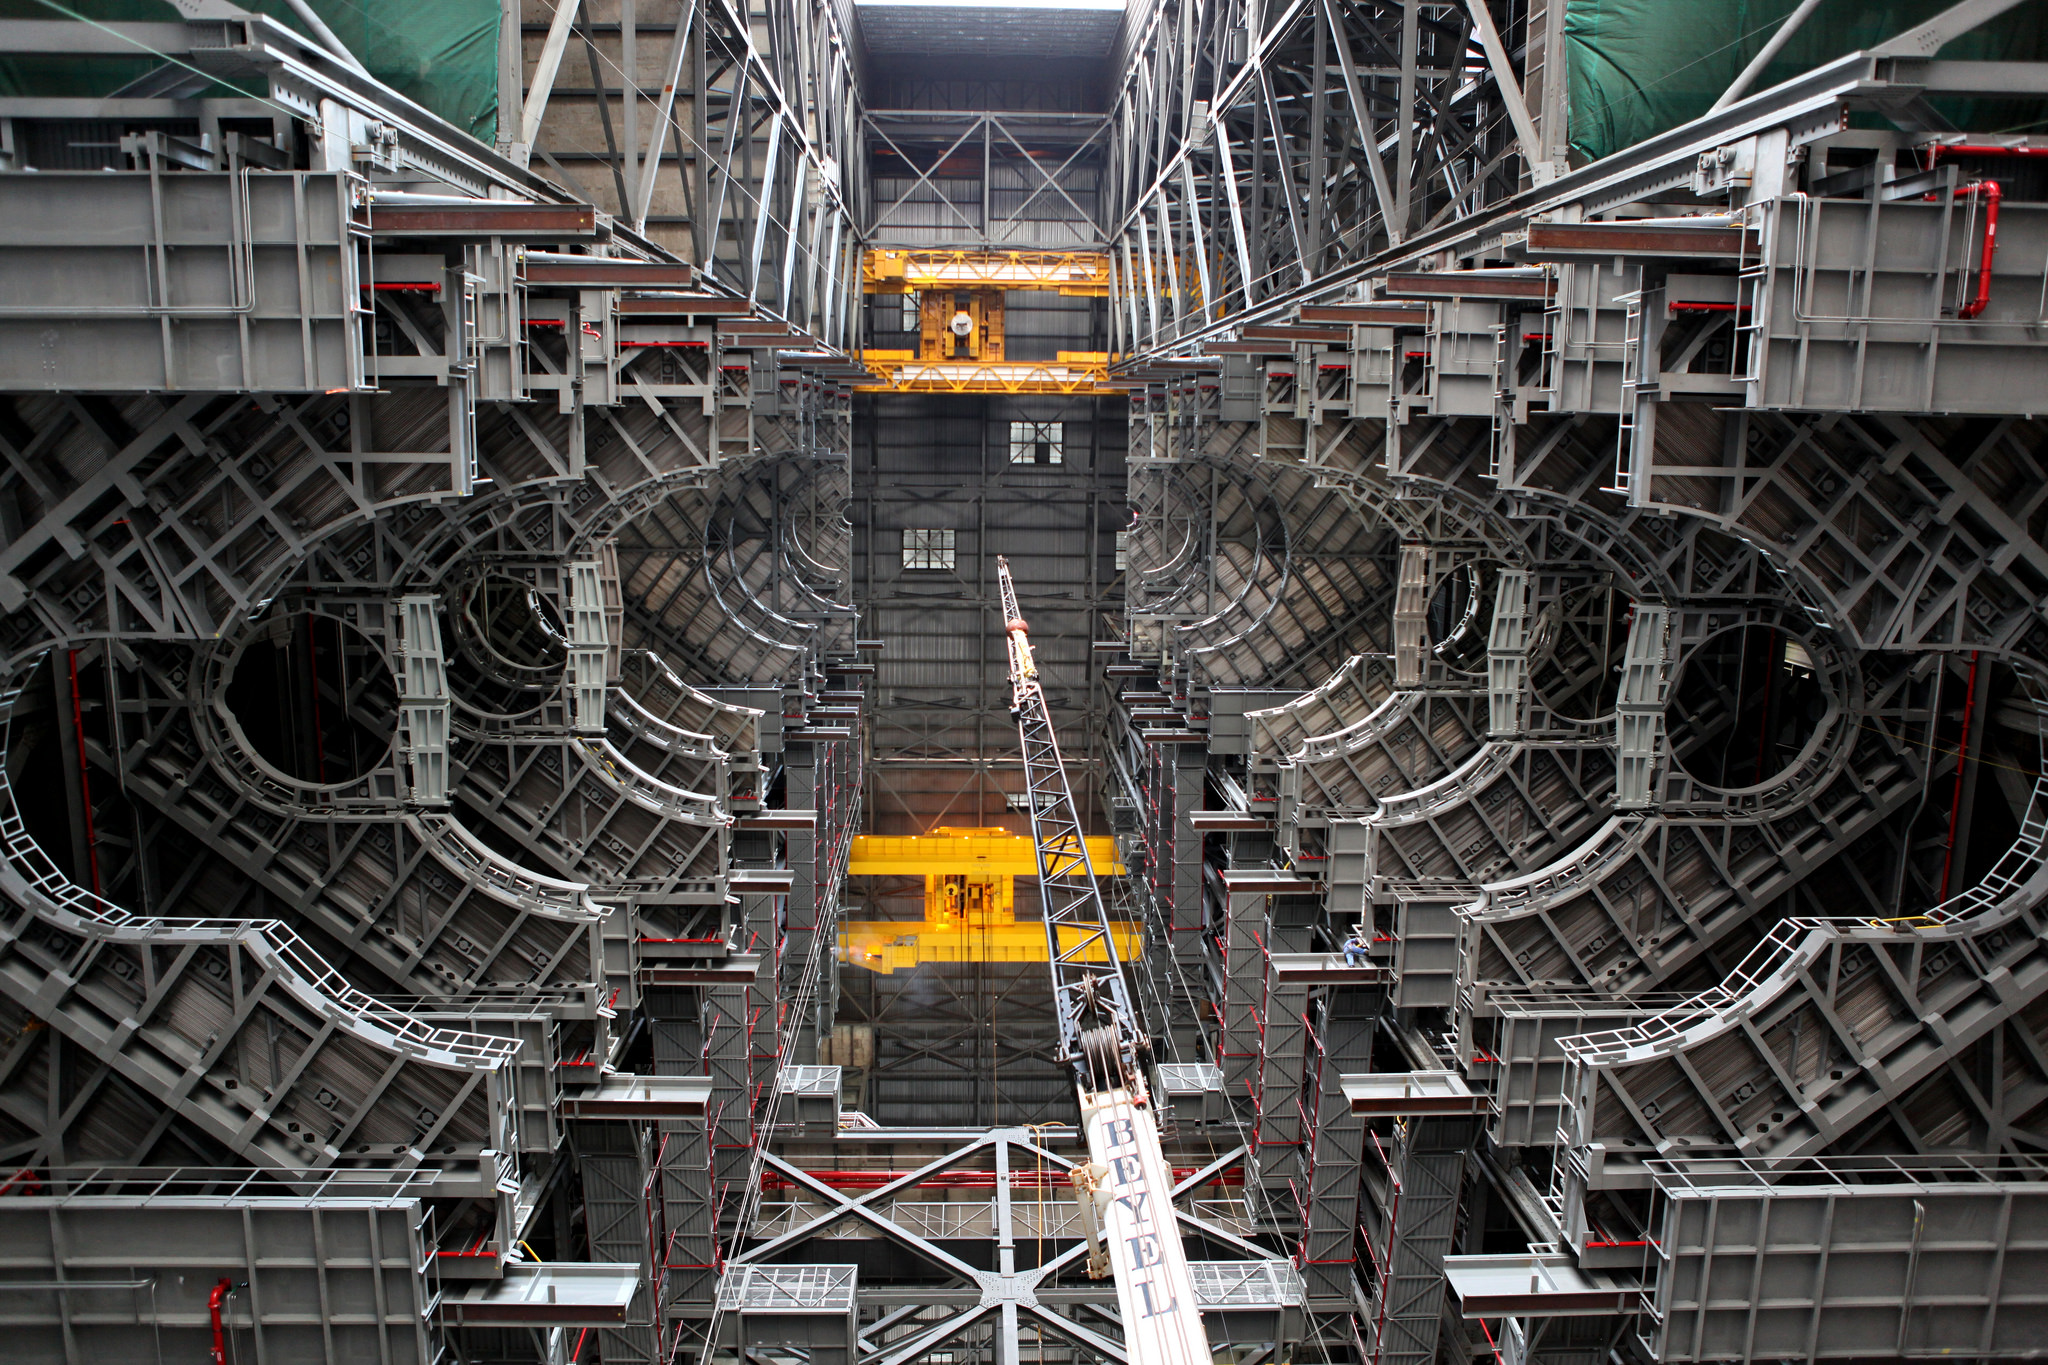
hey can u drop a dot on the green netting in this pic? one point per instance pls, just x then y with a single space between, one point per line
442 53
1640 67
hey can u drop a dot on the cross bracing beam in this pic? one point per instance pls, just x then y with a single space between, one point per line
1687 435
1487 803
732 142
1470 169
1257 153
211 509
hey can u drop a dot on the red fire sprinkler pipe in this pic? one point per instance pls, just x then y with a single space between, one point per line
214 1303
1955 802
1936 151
1991 192
92 842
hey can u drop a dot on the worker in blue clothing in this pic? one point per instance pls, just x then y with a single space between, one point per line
1355 948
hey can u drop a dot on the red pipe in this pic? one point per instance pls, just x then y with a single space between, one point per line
214 1302
92 843
1955 802
1992 194
1490 1343
1938 150
1379 1333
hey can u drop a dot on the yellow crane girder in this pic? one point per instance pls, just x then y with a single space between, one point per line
1075 273
969 900
899 371
951 849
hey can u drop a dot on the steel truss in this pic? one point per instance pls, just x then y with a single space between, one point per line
740 152
1630 959
1450 461
1260 151
912 1230
537 809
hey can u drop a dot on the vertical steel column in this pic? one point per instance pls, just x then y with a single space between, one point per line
682 1161
1544 85
1507 654
728 1061
1639 709
1348 874
690 1276
1174 793
1280 1126
613 1159
1416 1225
423 705
589 645
1189 763
1411 612
763 1035
836 798
1245 934
1337 1137
801 788
1159 824
1006 1352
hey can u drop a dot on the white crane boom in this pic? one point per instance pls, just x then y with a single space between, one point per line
1127 1189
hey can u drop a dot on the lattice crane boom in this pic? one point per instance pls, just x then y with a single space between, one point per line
1089 992
1126 1190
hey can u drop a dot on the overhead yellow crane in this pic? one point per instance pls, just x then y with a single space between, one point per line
1083 273
970 907
960 297
1072 372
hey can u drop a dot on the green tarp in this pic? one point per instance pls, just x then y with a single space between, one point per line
1640 67
442 53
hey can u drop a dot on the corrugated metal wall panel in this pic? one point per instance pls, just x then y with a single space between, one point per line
941 686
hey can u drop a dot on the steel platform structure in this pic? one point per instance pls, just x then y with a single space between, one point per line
1560 644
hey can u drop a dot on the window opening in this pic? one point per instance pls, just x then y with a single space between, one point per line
1038 442
929 547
